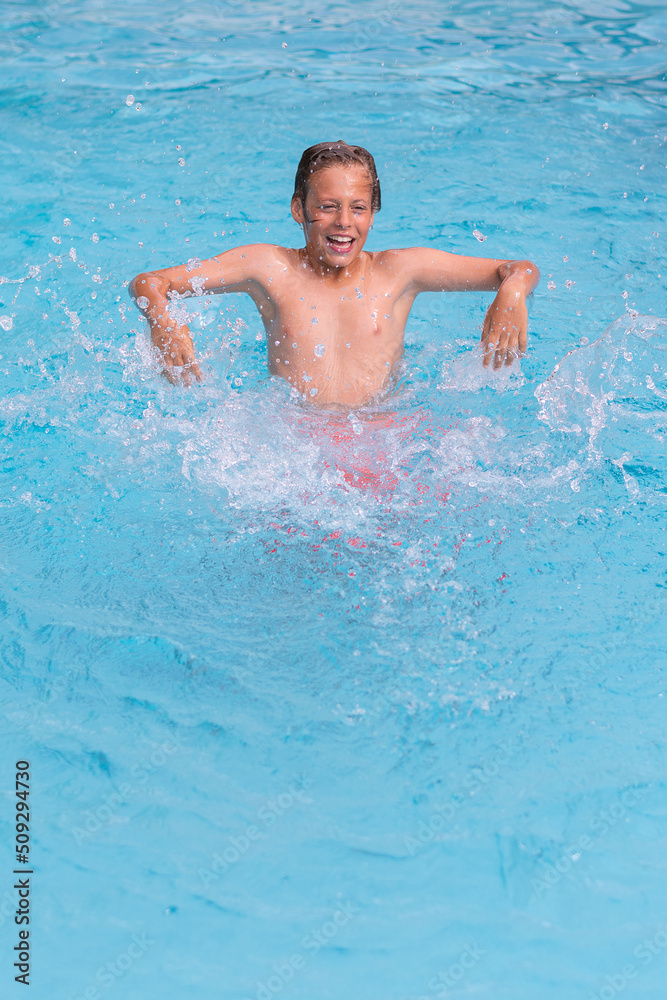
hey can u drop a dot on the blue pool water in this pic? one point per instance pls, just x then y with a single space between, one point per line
293 735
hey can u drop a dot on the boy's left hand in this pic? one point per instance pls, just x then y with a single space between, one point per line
505 329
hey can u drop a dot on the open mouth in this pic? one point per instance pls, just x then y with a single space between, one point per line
340 244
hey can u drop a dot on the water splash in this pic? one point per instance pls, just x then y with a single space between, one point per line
613 392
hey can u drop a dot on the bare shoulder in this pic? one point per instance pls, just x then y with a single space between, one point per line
240 268
429 269
397 260
402 266
259 261
262 254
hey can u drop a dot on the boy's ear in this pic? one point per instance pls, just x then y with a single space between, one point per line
297 210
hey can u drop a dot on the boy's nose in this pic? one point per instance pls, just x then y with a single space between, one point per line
344 217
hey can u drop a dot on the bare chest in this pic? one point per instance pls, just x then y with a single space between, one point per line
346 324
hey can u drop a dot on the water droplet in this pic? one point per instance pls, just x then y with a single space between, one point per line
68 222
6 322
95 238
294 344
313 392
194 262
551 285
357 426
480 237
284 45
569 284
56 239
142 302
319 350
181 161
605 124
129 100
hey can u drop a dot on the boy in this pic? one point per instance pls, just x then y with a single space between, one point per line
335 314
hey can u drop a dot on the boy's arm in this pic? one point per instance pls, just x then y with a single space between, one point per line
237 270
505 330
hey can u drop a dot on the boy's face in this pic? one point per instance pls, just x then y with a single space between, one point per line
337 214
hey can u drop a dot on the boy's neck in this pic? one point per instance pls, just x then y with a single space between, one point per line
333 275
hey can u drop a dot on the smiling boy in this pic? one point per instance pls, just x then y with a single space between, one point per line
335 314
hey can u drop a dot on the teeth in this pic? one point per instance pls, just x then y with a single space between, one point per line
341 239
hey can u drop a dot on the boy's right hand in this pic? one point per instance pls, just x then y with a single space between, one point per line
178 356
175 345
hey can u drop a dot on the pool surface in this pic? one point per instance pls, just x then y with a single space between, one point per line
318 707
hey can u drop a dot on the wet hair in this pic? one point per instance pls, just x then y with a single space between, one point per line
327 154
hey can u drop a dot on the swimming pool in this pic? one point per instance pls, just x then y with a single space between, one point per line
293 734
